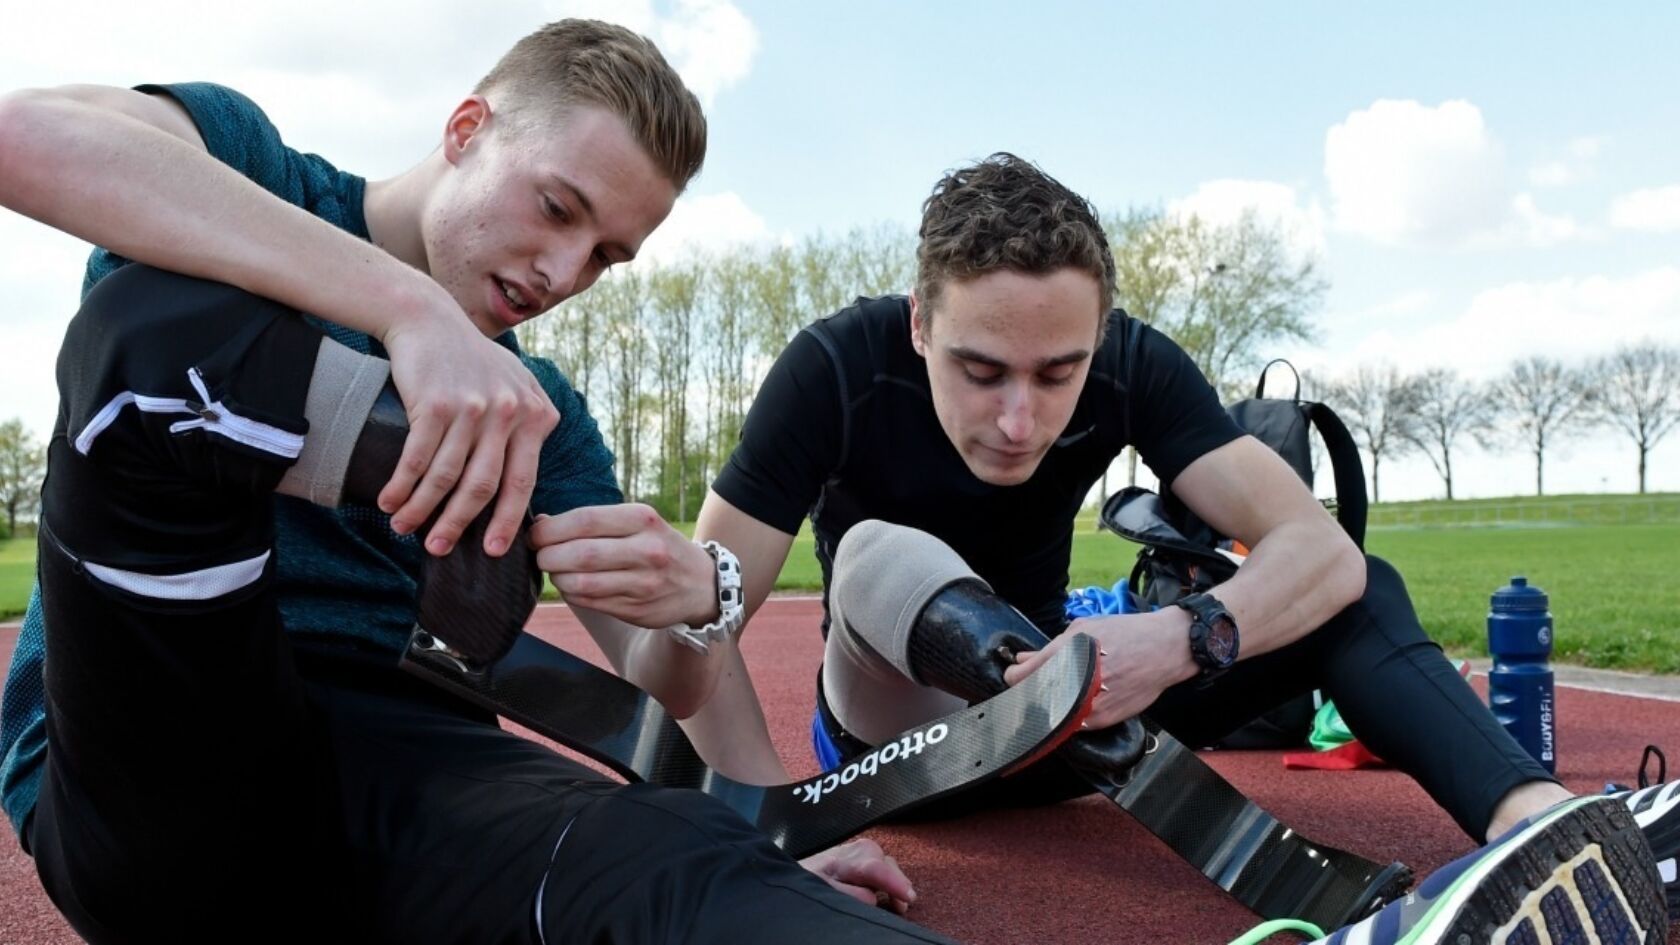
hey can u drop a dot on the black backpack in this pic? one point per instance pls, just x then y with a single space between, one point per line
1183 555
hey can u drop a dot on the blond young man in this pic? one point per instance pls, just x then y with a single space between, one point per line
203 733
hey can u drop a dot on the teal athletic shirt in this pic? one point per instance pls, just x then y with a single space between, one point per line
341 573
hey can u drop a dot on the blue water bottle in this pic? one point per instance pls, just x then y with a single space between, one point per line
1520 683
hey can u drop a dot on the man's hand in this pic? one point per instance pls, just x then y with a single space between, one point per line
1141 655
477 419
860 869
627 562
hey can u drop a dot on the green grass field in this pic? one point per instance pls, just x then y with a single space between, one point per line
17 574
1614 592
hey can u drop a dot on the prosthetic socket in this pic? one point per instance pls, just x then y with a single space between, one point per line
963 640
475 604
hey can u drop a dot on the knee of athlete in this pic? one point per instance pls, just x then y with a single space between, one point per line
1380 576
867 541
138 316
876 558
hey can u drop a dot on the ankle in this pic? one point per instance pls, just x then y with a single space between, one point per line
1522 802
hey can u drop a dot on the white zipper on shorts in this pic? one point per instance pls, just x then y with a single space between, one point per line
207 414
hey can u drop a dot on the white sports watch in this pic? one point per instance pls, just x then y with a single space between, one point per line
730 614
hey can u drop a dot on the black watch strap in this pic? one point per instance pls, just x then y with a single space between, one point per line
1213 632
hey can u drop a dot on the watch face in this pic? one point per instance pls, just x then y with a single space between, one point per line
1221 640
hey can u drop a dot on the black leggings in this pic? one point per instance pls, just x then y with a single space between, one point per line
206 778
1391 682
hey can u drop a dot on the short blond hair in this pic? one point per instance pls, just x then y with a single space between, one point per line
588 62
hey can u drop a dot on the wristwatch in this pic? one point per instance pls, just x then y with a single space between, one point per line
730 616
1213 633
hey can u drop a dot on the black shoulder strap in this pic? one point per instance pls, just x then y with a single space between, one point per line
1351 505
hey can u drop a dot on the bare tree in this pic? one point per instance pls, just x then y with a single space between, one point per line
1541 401
570 336
23 463
1224 293
876 261
726 342
675 291
1146 269
778 301
621 301
820 288
1638 389
1377 404
1445 409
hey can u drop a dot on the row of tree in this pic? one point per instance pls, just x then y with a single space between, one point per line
670 355
1535 404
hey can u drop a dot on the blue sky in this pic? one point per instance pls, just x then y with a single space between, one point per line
1477 183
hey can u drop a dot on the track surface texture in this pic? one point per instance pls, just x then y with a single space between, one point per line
1080 872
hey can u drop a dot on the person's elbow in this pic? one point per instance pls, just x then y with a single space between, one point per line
24 114
688 696
680 679
38 126
1346 568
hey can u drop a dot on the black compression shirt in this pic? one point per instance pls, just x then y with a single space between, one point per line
844 430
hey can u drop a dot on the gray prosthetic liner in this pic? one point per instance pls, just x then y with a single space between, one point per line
341 394
873 603
910 598
477 605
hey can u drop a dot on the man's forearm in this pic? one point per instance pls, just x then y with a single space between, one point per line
118 182
680 677
729 731
1297 578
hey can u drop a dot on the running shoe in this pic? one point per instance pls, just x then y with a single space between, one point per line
1578 872
1657 811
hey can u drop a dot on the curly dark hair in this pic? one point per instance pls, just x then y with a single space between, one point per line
1006 213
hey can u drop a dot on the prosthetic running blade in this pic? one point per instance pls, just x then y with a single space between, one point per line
603 717
1262 862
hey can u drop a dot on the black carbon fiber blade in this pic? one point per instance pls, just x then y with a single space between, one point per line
986 740
607 719
1264 864
476 603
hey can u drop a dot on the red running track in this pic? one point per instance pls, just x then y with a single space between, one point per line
1081 872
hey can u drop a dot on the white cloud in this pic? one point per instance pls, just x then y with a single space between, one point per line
1401 172
712 43
1551 174
1572 167
710 221
1531 225
1223 202
40 278
396 68
1656 209
1568 319
1587 148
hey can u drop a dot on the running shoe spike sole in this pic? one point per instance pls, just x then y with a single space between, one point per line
1587 877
